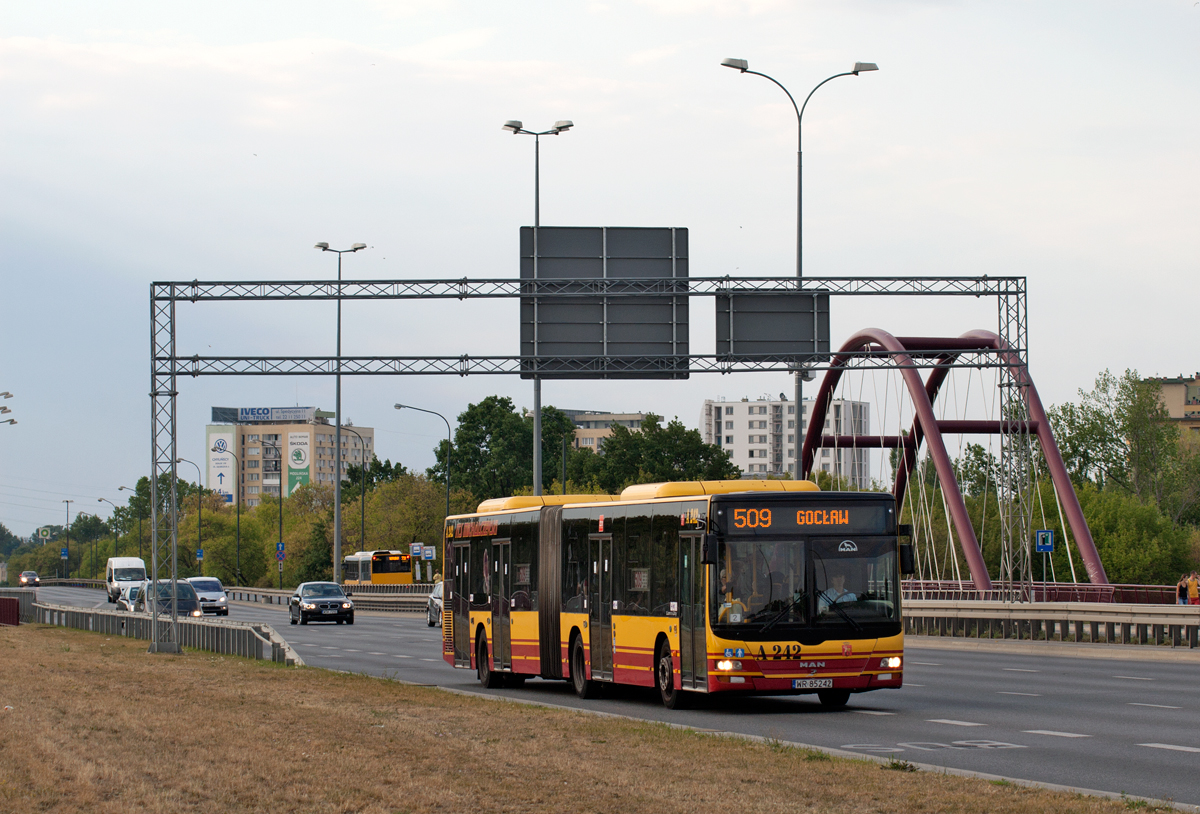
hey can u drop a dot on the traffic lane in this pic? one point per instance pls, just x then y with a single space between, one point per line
75 597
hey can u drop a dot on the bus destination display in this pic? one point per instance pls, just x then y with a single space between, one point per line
772 518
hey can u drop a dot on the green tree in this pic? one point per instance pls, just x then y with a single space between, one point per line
654 453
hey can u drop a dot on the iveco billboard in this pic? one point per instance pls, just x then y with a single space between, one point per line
298 415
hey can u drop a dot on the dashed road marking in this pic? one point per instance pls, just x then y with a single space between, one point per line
1019 670
373 653
926 663
1053 733
952 722
1029 694
872 712
1171 746
1134 678
1156 706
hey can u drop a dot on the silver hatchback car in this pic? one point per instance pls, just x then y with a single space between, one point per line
433 608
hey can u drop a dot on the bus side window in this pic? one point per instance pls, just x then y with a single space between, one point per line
664 588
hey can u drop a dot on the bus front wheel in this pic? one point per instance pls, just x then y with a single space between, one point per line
834 699
664 677
583 687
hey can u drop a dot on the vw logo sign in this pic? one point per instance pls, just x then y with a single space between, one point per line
220 445
847 545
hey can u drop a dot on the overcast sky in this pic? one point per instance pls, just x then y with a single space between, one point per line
150 141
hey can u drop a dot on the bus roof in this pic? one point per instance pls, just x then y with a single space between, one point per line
499 504
650 491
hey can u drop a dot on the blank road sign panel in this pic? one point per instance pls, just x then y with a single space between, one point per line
760 326
594 336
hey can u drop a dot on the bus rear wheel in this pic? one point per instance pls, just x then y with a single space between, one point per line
834 699
583 687
488 677
664 679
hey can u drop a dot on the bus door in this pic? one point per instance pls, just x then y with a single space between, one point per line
693 646
460 604
600 605
501 604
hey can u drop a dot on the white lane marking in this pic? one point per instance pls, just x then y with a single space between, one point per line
373 653
952 722
326 656
1019 670
909 684
1156 706
1171 746
430 659
306 644
330 647
1135 678
401 656
872 712
926 663
348 650
1029 694
1055 734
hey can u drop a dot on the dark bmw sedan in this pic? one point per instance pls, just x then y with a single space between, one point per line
321 602
187 601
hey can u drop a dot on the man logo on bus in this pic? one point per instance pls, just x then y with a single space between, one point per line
847 545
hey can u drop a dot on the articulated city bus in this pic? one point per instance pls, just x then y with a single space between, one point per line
762 587
377 568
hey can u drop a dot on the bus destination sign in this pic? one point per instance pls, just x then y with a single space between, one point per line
769 518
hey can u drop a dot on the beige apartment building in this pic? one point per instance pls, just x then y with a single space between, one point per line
1181 396
278 447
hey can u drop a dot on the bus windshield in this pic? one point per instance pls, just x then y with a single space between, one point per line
760 579
854 581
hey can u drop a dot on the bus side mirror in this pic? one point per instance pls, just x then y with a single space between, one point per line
908 562
708 550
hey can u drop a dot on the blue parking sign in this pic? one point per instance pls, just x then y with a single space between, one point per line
1044 541
200 553
63 553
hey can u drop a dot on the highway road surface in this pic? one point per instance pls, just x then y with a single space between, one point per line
1123 726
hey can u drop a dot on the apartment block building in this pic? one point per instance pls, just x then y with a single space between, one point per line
1181 397
761 436
279 447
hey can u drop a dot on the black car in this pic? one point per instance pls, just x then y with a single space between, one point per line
28 579
321 602
187 601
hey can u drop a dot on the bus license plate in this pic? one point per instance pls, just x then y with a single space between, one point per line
329 611
812 683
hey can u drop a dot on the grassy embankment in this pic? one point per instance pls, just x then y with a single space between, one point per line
98 725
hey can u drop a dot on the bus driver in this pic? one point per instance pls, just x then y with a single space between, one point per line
835 592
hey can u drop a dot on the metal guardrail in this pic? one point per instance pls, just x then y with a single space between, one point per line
1093 622
408 602
254 641
71 583
26 597
953 590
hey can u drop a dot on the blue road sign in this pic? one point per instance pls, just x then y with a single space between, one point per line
199 553
62 553
279 547
279 555
427 552
1044 541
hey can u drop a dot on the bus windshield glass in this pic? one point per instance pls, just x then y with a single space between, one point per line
854 581
760 580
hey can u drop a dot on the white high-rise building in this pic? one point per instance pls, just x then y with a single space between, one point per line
760 435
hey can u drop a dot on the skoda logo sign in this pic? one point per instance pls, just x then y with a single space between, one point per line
298 457
220 445
847 545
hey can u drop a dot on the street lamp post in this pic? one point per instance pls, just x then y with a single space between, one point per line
337 420
518 128
139 514
279 450
744 67
362 523
67 530
114 505
238 507
199 511
449 446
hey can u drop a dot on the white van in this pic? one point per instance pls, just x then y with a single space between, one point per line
121 573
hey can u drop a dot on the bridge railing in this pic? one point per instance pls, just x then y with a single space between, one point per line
245 639
1092 622
955 590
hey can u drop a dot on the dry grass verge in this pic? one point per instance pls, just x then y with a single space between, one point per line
98 725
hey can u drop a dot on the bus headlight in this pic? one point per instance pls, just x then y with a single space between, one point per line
890 663
726 664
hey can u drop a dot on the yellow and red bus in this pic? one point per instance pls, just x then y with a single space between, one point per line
377 568
756 587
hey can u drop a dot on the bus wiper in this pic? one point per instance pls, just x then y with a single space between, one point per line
842 613
779 616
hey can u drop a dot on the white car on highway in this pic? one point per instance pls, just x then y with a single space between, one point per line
212 595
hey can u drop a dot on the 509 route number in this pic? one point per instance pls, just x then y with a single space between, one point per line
752 518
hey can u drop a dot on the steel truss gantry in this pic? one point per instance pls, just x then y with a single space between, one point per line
167 365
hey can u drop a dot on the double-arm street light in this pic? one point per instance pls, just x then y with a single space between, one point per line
238 506
199 511
337 420
449 446
139 514
517 128
362 523
744 67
